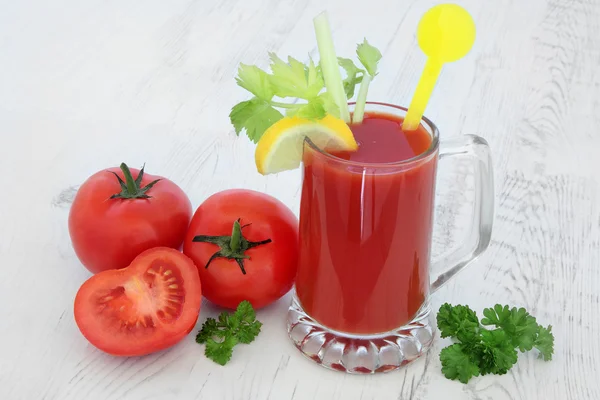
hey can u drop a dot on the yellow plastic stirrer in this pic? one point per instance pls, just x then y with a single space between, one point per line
445 33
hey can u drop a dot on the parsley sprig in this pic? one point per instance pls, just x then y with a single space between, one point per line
223 334
481 351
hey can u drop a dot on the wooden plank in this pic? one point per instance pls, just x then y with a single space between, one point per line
87 85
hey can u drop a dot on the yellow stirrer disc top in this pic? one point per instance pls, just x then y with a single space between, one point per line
445 33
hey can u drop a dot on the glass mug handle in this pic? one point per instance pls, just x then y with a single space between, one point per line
477 149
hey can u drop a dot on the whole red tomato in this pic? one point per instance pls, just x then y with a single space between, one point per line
245 245
114 217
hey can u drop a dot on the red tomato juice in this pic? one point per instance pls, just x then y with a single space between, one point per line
365 230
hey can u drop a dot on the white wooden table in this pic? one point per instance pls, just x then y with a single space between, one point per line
85 85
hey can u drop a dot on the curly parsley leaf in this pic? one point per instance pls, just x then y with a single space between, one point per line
209 329
223 334
545 342
246 324
248 332
483 351
220 352
244 312
458 321
520 327
497 354
456 364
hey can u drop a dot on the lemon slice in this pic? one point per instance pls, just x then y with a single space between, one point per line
281 146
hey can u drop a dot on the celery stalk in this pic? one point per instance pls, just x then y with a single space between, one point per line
361 99
329 65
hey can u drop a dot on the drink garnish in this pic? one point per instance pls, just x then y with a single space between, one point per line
445 33
480 351
369 56
281 147
308 91
330 65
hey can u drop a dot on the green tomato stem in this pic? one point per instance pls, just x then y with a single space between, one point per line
132 188
236 237
231 247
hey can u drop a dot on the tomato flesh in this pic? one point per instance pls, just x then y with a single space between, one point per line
146 307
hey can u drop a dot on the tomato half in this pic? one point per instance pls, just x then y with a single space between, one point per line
148 306
114 217
262 268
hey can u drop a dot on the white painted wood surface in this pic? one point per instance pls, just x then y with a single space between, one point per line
85 85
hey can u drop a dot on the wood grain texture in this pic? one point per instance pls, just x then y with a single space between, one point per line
87 84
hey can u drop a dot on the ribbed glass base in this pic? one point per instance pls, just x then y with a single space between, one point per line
360 354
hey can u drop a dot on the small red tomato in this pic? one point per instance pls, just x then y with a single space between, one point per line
114 217
146 307
245 245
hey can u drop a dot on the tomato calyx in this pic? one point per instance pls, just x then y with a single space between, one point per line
231 247
130 188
